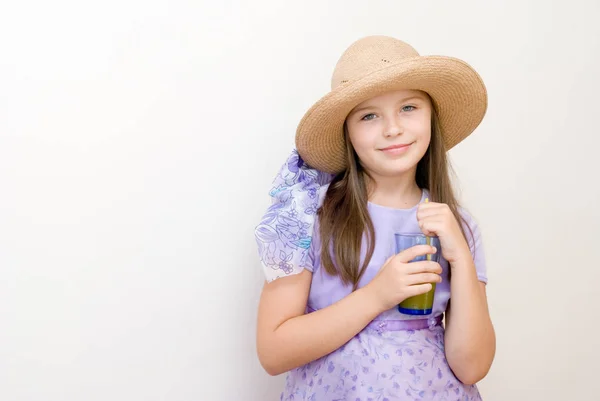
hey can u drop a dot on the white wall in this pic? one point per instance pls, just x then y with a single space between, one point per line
138 140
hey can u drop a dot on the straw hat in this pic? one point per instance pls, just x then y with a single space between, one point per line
377 64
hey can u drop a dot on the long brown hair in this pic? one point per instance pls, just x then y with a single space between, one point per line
344 218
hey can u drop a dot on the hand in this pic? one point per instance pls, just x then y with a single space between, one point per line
436 219
398 279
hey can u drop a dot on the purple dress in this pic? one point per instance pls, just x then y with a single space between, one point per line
397 356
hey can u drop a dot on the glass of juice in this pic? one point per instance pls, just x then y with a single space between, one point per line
419 304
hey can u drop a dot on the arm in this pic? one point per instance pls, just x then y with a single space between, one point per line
470 338
287 338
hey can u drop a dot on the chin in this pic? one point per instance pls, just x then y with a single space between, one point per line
392 171
398 167
391 168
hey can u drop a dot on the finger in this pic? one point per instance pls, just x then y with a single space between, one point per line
430 206
422 278
425 266
435 219
418 289
433 210
418 250
430 226
427 209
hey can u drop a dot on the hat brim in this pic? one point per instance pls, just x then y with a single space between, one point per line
457 90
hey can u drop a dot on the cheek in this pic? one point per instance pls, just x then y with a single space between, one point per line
422 132
420 127
423 143
361 141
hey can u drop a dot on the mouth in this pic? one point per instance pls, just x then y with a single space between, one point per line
396 149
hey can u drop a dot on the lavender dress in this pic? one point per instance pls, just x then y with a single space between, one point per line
397 356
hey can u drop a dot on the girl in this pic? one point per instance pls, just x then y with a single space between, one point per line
369 153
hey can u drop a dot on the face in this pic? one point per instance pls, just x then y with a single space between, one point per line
391 132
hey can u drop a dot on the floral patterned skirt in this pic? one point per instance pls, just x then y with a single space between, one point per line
382 366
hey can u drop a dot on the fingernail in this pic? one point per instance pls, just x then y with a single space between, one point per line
434 249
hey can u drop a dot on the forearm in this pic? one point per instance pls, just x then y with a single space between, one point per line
305 338
470 339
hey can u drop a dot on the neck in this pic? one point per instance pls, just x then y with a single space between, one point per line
399 192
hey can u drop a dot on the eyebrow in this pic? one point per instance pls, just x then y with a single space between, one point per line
404 100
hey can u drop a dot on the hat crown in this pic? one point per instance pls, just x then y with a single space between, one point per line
368 55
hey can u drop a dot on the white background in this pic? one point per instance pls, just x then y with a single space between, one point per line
138 141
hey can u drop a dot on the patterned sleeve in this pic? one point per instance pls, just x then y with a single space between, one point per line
476 246
284 234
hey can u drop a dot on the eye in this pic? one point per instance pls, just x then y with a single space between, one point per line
408 108
368 117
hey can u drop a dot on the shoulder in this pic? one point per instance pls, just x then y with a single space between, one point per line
471 228
475 241
468 217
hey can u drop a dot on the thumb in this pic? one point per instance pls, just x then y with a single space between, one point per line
418 250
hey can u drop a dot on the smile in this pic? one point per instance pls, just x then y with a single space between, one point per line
396 149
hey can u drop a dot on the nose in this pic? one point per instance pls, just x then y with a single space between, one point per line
393 127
